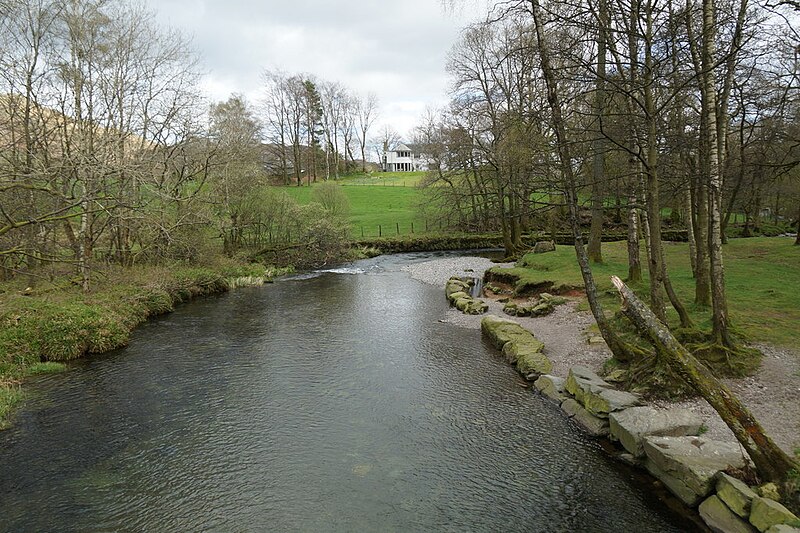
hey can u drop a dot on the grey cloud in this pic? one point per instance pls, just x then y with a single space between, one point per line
395 49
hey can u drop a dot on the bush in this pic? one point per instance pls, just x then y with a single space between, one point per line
331 197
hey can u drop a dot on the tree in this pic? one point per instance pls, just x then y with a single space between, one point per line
366 110
238 170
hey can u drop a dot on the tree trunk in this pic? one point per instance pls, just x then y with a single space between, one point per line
719 304
594 248
565 158
771 462
634 256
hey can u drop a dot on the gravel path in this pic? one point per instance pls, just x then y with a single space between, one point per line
772 394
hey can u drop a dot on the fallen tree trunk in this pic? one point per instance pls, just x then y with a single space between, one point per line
771 462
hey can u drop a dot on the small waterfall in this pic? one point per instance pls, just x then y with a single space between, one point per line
477 288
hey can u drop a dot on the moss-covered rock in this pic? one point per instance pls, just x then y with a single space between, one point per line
597 427
596 395
765 513
552 387
736 494
533 364
518 345
720 518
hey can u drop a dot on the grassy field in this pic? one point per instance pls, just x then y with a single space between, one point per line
762 275
381 204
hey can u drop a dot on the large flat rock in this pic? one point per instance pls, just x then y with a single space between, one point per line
720 519
632 425
595 394
688 465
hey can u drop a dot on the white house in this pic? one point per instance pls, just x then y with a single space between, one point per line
402 158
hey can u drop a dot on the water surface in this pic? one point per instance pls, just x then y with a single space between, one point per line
330 402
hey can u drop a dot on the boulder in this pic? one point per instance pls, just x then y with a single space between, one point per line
688 465
596 427
513 350
544 246
552 387
457 295
455 284
554 300
735 493
597 396
500 331
532 363
766 513
720 519
632 425
541 308
463 303
769 490
477 307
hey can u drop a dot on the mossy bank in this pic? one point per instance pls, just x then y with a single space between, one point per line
44 324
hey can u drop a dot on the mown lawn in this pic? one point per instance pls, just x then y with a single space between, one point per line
762 275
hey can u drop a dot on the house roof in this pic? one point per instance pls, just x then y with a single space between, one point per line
401 147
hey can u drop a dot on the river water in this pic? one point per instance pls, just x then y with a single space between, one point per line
329 402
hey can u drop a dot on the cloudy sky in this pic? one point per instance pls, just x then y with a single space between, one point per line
395 49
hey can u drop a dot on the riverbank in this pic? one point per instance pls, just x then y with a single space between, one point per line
48 322
771 393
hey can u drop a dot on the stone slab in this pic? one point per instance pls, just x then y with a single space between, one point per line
597 396
720 519
766 513
735 493
632 425
688 465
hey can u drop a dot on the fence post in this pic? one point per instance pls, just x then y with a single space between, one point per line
380 231
362 232
426 224
412 227
397 225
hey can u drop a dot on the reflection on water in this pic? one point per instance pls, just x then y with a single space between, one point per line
333 403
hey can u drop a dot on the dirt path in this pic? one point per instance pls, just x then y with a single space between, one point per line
773 393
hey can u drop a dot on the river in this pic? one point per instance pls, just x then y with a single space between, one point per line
335 401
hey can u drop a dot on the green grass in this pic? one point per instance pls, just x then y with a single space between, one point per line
10 397
379 206
762 281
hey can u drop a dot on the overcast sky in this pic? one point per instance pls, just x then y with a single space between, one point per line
396 49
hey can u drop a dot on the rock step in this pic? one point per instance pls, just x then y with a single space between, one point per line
595 394
632 425
688 465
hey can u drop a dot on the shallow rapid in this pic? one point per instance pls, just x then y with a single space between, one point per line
333 401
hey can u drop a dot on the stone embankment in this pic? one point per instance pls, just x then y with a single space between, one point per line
666 443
